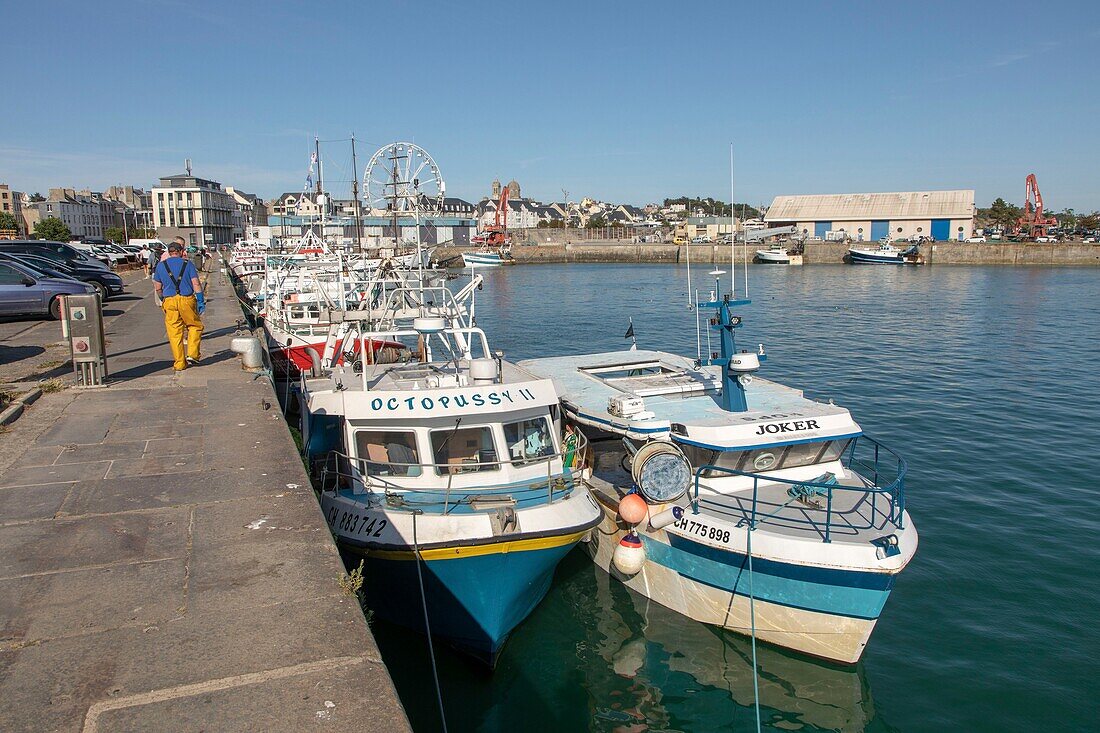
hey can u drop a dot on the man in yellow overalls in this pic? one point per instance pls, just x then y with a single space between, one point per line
177 285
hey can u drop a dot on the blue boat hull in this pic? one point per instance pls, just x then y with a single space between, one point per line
862 259
474 600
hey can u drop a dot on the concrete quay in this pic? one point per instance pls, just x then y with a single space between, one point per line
832 253
164 565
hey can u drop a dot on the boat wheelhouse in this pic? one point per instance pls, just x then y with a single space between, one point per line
736 500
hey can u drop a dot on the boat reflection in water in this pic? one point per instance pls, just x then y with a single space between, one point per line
636 666
674 664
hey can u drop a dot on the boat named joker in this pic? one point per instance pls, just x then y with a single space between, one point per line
735 500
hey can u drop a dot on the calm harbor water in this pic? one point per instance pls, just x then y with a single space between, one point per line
984 377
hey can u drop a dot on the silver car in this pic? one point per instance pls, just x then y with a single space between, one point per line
27 291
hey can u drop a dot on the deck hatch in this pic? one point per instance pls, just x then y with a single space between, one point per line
650 378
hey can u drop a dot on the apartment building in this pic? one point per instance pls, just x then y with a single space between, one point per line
197 209
81 213
11 203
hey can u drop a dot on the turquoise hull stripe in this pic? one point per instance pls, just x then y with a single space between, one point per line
474 602
836 592
525 493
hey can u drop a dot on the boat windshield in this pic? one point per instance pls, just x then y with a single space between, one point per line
465 450
388 452
771 458
528 439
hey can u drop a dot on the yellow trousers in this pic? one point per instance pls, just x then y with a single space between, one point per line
181 315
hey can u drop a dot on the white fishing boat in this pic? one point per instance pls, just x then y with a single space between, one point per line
736 500
885 254
440 466
778 254
495 244
488 257
439 462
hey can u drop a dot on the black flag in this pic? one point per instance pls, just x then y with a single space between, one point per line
630 331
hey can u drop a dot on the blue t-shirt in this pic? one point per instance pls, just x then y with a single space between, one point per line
184 272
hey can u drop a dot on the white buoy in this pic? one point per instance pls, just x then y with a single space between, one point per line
629 555
667 517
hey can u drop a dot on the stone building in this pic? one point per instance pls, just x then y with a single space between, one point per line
194 208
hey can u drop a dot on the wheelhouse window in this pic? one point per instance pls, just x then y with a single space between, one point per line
770 458
528 440
465 450
388 452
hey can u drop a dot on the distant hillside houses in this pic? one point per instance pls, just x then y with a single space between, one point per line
530 214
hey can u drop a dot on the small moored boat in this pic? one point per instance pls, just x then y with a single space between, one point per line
885 254
778 254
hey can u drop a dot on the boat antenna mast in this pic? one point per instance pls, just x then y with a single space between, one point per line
355 198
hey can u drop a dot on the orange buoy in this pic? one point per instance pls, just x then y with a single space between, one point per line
633 508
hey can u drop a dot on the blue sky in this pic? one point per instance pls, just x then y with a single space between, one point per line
620 101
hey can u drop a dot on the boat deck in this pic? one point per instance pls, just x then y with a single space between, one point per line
858 516
413 376
673 389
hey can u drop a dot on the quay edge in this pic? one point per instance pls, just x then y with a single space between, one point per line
832 253
164 563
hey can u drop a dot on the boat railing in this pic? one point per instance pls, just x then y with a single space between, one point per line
379 477
873 461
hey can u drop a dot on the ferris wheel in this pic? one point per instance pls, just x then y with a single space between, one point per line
402 177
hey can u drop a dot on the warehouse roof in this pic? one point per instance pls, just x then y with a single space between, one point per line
855 206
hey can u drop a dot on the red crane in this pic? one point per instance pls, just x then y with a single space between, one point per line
497 234
1032 222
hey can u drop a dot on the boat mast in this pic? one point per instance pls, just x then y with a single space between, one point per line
355 196
320 189
733 234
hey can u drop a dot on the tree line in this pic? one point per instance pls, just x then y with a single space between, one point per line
1004 215
714 207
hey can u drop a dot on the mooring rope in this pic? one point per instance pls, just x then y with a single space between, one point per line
427 625
752 623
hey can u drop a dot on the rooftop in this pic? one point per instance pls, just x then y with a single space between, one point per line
957 204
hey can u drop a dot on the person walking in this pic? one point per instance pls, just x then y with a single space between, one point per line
180 295
151 259
146 258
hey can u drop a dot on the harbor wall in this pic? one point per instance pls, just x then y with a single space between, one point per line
938 253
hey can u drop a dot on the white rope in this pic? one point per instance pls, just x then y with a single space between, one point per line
428 627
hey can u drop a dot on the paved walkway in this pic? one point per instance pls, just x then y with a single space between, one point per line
164 565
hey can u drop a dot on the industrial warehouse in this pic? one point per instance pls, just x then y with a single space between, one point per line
939 215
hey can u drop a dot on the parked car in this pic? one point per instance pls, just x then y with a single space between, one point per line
700 240
26 291
1048 239
107 283
56 251
112 248
90 250
972 240
1090 239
